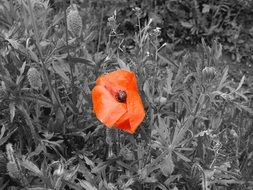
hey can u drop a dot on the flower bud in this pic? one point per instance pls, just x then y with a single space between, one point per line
2 92
157 31
112 23
59 171
10 152
137 11
12 167
34 78
161 100
13 170
74 22
208 73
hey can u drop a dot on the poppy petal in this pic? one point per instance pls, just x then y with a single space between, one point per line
123 123
107 109
119 78
135 109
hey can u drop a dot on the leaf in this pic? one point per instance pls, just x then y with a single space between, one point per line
39 98
169 82
163 131
241 83
13 43
101 166
60 68
146 89
206 8
17 46
33 55
37 188
2 131
179 134
85 184
182 156
4 139
12 111
122 64
223 79
245 108
167 60
186 24
88 161
72 60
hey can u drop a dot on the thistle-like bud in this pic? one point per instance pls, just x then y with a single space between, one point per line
160 100
34 78
12 167
137 11
157 31
60 170
74 21
2 92
13 170
208 73
112 23
149 68
10 152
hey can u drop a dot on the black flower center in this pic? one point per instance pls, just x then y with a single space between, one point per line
121 96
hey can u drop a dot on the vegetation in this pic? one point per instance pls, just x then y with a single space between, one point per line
193 64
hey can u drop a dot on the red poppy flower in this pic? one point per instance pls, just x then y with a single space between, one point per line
116 101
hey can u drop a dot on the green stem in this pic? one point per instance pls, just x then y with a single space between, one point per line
52 92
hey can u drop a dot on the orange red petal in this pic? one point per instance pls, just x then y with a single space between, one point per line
120 78
125 116
135 110
106 108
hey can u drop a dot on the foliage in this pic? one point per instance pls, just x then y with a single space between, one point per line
197 132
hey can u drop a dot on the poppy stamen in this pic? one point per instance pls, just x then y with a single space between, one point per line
121 96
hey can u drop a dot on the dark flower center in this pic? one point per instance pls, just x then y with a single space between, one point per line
121 96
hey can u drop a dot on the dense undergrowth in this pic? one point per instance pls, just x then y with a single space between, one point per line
193 62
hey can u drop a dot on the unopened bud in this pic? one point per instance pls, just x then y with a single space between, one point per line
74 22
13 170
34 78
208 73
59 171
